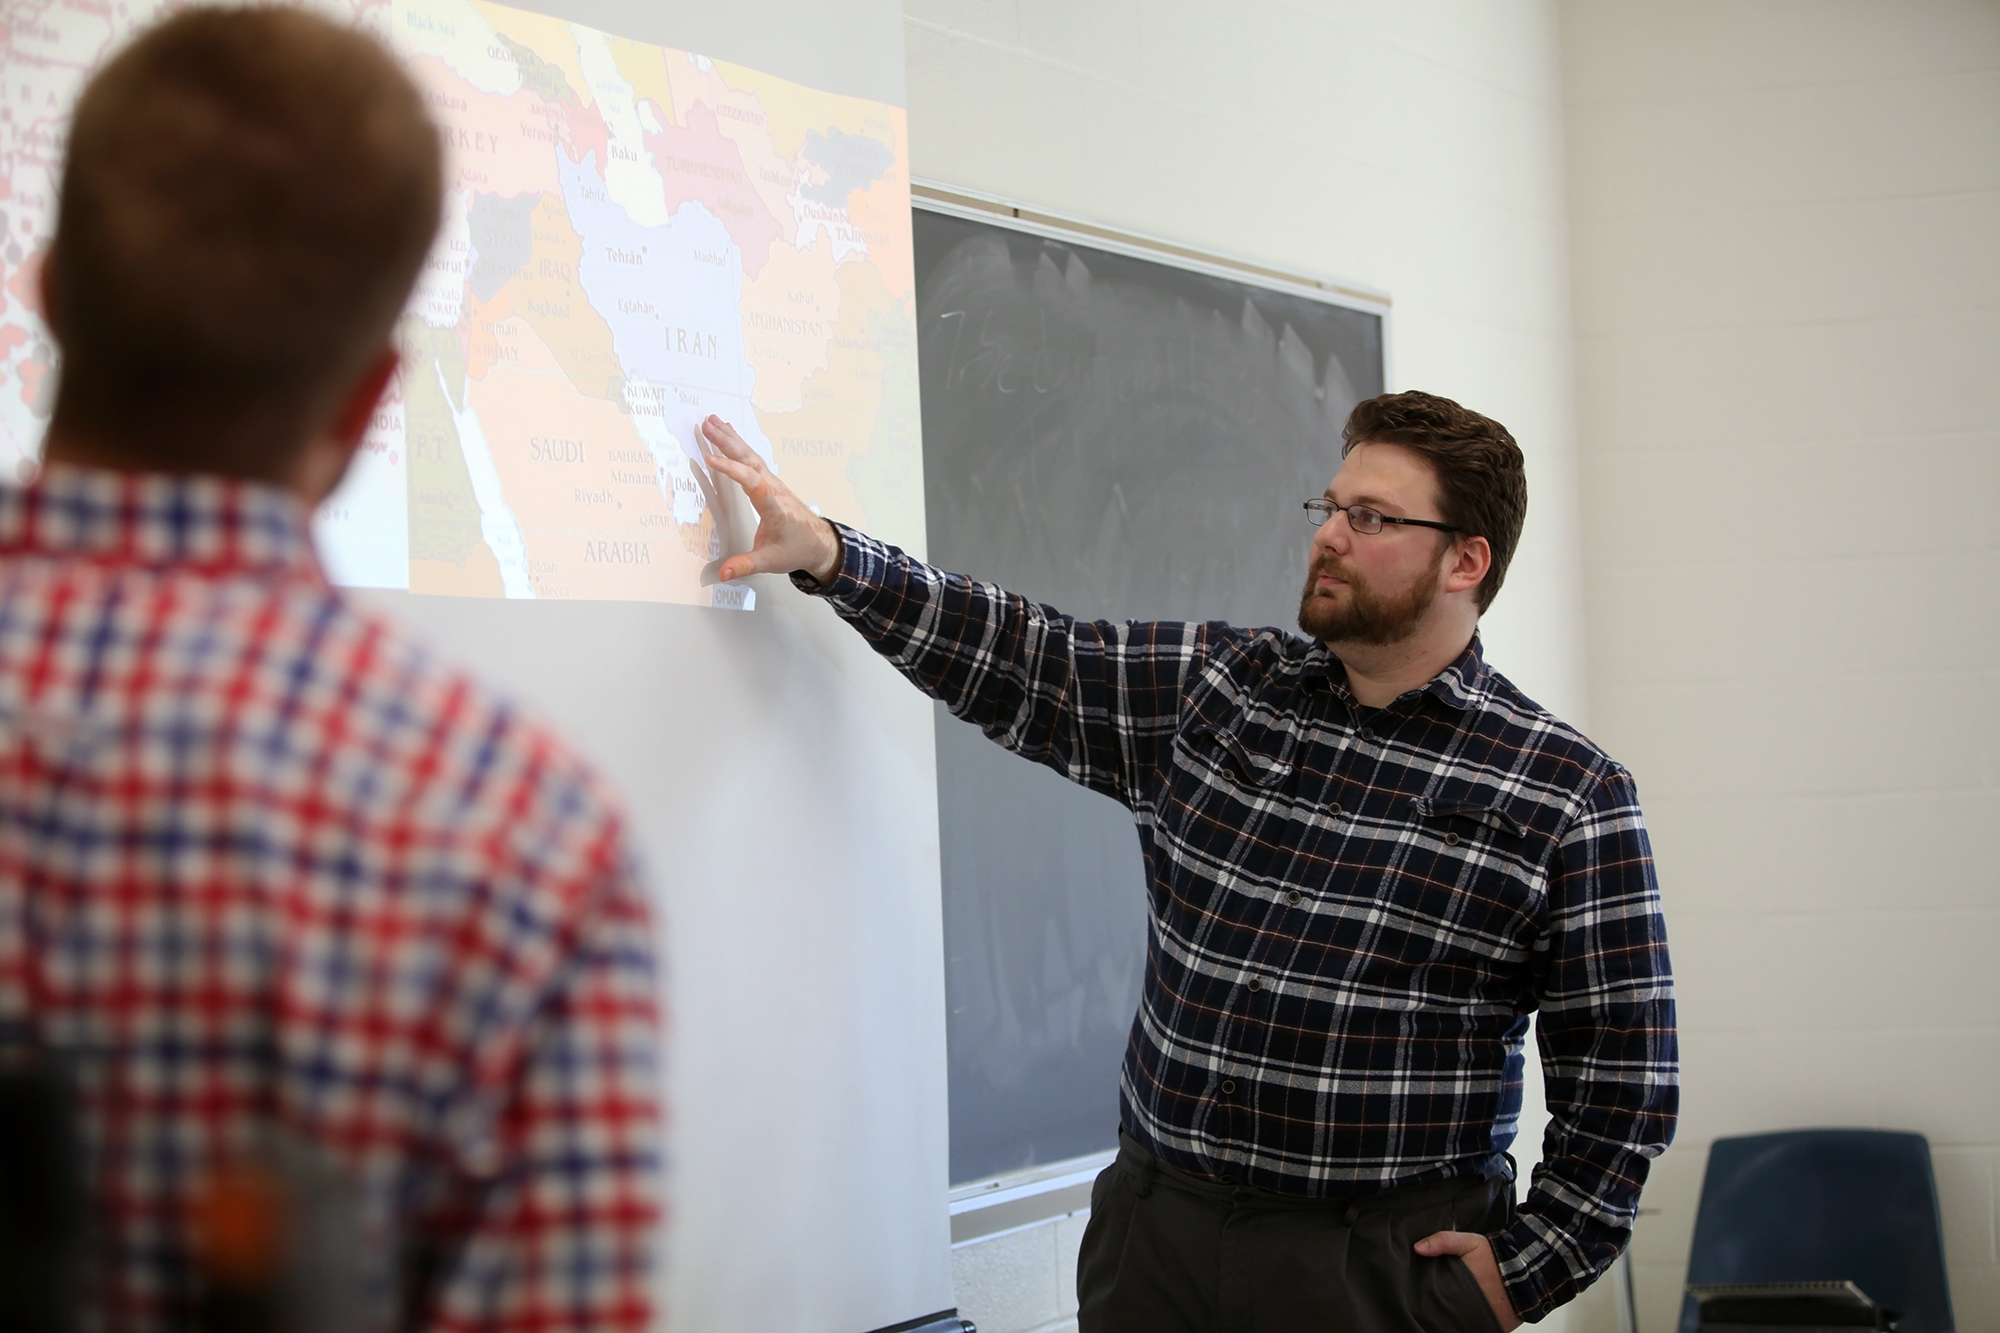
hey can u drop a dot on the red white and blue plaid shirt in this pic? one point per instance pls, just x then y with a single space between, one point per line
1353 912
265 866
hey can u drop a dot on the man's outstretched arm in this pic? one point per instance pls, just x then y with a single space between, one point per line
1095 701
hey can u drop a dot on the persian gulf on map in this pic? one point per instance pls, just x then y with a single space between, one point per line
634 237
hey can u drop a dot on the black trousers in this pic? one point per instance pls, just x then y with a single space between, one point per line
1166 1252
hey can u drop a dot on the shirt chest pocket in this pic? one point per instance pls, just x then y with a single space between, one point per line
1255 760
1454 820
1479 844
1228 780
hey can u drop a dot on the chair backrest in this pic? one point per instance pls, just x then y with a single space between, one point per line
1825 1205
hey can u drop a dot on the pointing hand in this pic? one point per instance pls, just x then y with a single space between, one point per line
789 535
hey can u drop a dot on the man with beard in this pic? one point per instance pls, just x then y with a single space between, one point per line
1371 859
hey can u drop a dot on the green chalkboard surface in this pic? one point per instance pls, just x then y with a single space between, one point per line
1122 438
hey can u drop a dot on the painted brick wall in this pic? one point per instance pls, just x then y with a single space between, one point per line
1784 234
1786 227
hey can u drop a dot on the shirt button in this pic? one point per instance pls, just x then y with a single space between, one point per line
1226 1178
1228 773
1256 983
1228 1086
1367 735
1333 808
1451 840
1294 897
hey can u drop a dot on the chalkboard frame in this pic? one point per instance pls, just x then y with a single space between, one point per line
954 201
1054 1189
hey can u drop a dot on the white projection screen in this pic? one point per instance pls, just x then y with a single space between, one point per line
657 212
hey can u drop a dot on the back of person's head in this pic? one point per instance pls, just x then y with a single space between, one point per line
247 199
1482 478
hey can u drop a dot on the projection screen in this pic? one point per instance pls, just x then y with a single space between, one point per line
655 213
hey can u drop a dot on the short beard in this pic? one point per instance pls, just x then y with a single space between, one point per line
1368 618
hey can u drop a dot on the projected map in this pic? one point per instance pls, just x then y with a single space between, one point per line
634 237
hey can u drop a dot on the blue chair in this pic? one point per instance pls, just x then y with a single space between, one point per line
1816 1205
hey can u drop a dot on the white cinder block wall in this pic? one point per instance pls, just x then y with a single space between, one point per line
1786 228
1416 148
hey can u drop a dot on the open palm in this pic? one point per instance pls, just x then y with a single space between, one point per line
789 535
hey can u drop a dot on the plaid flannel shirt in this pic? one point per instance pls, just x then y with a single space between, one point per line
265 868
1353 912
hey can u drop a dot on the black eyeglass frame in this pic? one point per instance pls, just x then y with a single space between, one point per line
1324 509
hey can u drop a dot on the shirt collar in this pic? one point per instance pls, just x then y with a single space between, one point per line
1462 685
1319 669
213 524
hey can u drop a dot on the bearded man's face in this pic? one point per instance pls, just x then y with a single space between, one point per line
1354 610
1375 588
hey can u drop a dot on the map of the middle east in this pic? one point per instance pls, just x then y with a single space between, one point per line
634 237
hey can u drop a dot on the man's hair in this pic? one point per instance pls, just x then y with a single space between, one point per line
1482 478
247 198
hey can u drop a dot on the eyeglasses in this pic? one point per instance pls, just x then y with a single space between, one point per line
1365 520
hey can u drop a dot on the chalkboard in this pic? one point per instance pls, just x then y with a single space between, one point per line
1122 438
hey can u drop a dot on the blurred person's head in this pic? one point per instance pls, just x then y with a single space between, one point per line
247 199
